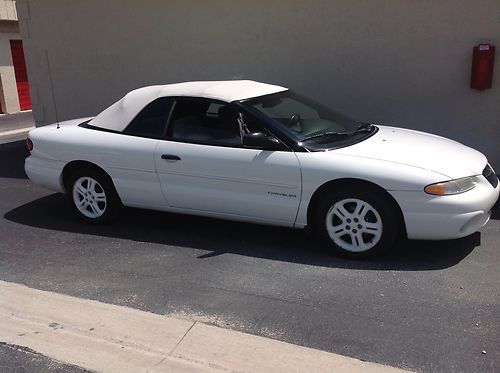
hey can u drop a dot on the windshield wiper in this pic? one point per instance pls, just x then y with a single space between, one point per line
363 127
325 134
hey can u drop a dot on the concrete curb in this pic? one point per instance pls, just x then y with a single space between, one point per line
16 131
109 338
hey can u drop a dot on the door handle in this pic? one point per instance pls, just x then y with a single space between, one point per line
170 157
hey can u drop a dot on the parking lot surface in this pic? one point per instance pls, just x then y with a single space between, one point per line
427 306
20 360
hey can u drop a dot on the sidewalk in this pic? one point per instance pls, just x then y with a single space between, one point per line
108 338
15 126
16 121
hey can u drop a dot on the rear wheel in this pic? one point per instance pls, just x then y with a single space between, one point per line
358 223
93 196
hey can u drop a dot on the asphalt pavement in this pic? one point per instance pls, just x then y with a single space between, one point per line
16 359
427 306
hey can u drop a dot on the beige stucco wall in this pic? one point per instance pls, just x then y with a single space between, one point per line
8 10
400 62
9 98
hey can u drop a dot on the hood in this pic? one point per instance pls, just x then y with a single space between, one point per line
419 149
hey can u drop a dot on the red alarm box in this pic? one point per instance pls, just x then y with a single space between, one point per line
483 59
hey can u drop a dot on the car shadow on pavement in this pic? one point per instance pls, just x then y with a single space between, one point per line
12 157
495 213
224 237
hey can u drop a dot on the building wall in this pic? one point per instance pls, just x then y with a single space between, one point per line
400 62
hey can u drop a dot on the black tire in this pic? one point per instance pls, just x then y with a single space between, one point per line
365 241
96 211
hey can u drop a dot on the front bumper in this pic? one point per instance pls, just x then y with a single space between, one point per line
430 217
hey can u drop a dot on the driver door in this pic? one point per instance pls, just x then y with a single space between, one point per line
203 167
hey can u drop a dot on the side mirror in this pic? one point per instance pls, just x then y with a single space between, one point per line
259 140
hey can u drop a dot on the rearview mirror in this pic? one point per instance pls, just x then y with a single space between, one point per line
259 140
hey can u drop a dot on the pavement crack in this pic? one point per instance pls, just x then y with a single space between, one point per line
173 349
180 341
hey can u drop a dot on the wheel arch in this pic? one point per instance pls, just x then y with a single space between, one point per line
352 183
73 166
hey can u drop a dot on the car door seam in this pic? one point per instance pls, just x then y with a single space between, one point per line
301 190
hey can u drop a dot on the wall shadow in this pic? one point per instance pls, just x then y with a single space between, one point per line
220 237
12 156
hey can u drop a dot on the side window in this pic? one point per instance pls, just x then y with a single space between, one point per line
207 122
151 121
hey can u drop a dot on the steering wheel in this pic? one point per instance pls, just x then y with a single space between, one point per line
295 120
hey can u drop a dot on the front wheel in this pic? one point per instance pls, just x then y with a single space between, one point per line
359 223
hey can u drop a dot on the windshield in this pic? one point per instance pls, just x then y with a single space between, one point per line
310 123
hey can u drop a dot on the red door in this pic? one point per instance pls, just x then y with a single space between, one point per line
23 87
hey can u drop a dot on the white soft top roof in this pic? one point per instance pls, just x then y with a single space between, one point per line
121 113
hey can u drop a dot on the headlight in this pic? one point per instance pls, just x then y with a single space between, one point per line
452 187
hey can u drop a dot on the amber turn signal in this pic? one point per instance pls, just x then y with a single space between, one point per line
437 189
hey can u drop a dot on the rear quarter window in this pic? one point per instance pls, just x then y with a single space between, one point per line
152 120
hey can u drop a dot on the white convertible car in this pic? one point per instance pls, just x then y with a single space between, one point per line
255 152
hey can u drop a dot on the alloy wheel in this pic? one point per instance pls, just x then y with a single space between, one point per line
354 225
89 197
